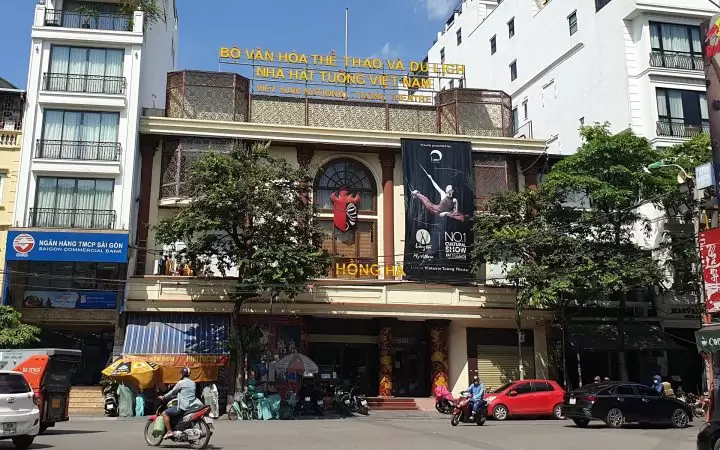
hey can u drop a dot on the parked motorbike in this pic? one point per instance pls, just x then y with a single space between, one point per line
194 427
111 400
342 400
444 400
358 402
243 408
699 404
310 401
463 411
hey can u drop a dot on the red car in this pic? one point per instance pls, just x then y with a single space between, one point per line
526 398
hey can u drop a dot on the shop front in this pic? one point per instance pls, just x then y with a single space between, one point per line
70 284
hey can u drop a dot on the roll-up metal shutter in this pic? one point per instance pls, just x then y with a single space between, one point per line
499 364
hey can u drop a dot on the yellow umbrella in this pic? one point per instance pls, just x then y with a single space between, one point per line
142 372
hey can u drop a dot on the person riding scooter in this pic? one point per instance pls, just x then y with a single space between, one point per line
477 392
185 392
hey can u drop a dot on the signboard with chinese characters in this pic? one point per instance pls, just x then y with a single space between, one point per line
710 255
384 80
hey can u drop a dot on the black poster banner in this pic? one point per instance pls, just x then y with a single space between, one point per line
439 207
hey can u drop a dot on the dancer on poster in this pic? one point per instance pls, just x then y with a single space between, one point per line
448 205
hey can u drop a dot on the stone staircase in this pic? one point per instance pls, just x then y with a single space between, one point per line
392 404
86 401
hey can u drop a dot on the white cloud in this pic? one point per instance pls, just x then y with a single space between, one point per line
439 9
388 51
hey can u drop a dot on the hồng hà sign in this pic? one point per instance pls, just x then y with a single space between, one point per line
342 78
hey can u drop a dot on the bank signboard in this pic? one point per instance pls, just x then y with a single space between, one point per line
31 245
439 207
70 300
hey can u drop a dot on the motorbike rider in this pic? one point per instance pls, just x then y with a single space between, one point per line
476 391
185 392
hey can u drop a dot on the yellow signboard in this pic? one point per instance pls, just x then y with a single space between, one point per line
372 76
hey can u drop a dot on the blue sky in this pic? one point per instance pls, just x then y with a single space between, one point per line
383 28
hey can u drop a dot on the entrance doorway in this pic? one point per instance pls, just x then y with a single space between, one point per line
347 364
96 345
411 369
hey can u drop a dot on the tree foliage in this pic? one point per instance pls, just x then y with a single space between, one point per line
14 333
573 239
249 213
153 11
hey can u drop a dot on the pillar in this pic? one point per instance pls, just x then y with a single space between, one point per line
541 351
148 147
387 162
385 349
439 358
459 356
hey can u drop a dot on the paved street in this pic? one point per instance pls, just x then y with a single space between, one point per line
395 431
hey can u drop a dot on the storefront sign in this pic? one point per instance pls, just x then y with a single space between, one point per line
374 270
439 205
70 300
331 76
710 255
33 245
187 360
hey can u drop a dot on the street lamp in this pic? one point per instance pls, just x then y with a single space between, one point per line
682 176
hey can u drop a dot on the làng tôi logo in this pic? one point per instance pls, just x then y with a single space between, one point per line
345 211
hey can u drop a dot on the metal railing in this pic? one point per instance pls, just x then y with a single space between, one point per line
681 129
72 218
88 19
94 84
10 138
79 150
670 60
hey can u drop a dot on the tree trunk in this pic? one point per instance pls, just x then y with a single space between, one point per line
238 357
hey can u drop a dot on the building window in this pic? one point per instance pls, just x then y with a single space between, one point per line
516 120
493 45
572 23
3 178
442 55
73 203
682 114
513 70
79 135
511 27
525 109
675 46
600 4
85 276
458 36
351 236
79 69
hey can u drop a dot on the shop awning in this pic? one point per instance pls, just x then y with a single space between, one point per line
708 338
604 336
177 334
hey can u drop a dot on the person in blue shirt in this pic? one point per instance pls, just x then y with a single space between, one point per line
657 384
477 392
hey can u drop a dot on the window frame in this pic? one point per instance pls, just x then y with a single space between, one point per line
573 22
655 25
54 47
523 383
513 70
511 28
669 118
493 44
600 4
548 387
516 119
82 122
458 36
442 55
525 109
75 190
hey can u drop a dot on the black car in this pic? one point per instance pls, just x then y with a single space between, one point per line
617 403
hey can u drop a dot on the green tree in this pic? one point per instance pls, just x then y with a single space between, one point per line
250 213
14 333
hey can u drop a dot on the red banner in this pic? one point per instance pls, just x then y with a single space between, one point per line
710 255
190 360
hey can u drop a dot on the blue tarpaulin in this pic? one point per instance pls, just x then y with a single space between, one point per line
177 333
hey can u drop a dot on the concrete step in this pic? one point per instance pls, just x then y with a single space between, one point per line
392 404
86 398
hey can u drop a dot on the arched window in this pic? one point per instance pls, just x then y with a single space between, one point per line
345 194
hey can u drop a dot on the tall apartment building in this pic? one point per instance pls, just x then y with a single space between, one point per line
636 64
93 67
12 102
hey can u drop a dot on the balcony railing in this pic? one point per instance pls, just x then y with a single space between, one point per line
79 150
672 60
10 138
681 129
94 84
89 20
72 218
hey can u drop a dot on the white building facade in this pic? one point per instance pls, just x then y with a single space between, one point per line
636 64
93 67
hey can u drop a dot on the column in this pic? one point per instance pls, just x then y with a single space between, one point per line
148 147
541 354
385 349
387 162
439 360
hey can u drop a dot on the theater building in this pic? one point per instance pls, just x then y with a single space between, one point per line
377 317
